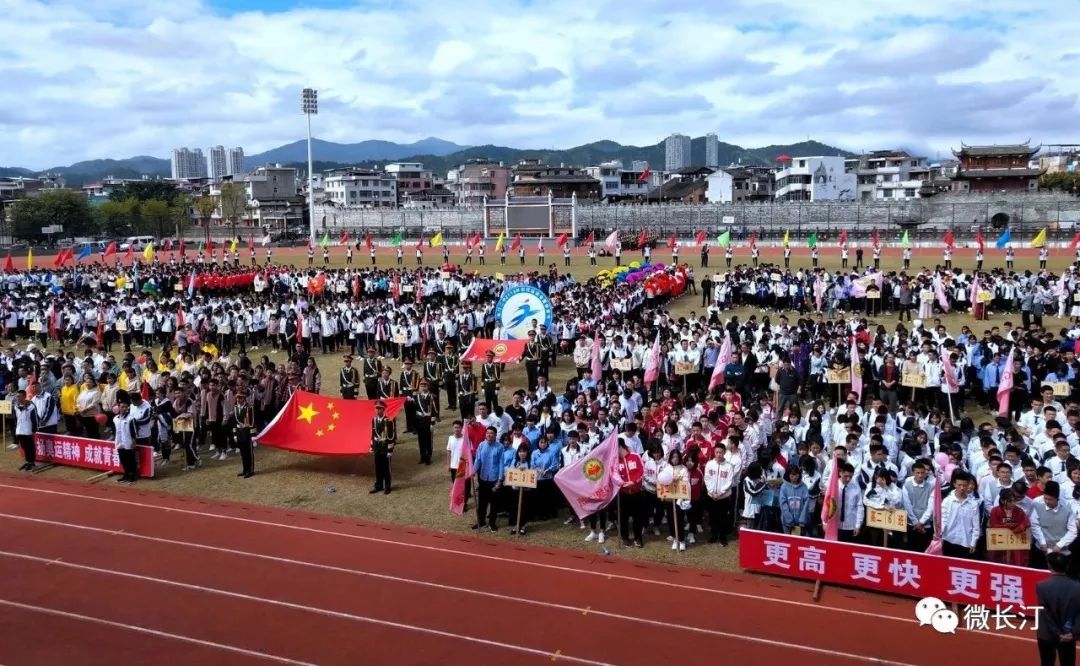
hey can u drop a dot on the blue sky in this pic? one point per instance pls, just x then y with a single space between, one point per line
126 77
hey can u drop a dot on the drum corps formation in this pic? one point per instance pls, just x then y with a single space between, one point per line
784 377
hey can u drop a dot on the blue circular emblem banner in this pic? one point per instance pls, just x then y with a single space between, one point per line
519 307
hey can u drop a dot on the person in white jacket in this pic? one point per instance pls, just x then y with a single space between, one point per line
960 519
719 477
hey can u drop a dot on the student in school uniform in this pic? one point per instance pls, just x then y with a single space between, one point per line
26 424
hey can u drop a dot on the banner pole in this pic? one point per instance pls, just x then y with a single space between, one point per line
951 417
618 517
521 500
817 590
675 521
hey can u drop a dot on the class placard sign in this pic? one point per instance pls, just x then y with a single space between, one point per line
121 326
1061 388
838 376
520 478
5 407
985 297
893 520
926 295
679 490
35 326
400 339
183 424
621 364
685 367
913 379
1002 538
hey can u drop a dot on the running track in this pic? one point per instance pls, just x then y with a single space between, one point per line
100 574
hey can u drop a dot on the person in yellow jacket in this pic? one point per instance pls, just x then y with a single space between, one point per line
69 394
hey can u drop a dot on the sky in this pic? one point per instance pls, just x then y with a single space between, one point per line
118 78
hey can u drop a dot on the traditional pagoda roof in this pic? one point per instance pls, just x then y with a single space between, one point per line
1003 149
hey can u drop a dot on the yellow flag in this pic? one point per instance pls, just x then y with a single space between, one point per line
1040 238
787 237
499 243
436 240
29 258
148 252
232 248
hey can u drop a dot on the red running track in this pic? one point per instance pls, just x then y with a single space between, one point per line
106 575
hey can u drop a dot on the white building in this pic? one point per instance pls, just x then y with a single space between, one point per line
821 178
188 164
676 152
617 182
712 150
885 175
361 188
234 159
217 166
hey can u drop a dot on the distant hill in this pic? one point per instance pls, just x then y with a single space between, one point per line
436 154
346 153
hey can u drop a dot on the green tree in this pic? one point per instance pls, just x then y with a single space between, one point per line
51 207
204 209
155 215
181 210
117 219
233 203
145 190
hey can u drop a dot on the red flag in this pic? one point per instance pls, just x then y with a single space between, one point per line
843 236
320 425
506 351
591 239
949 239
60 258
356 287
168 246
1072 245
982 241
395 287
517 242
183 247
52 323
299 326
475 239
700 238
671 242
420 243
419 287
561 240
877 239
111 250
642 239
210 246
100 333
753 240
9 265
251 241
368 242
465 470
644 177
180 319
130 256
830 508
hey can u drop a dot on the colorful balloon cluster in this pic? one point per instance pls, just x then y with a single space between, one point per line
654 278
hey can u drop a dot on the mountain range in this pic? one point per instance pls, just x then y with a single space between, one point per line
436 154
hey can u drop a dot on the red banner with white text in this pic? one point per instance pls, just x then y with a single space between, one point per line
505 351
902 572
88 453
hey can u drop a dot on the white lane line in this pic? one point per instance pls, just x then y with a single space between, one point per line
451 588
154 632
506 560
303 608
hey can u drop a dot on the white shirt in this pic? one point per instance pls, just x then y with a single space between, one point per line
960 520
454 445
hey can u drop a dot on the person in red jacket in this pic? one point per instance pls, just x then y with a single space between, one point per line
697 494
632 507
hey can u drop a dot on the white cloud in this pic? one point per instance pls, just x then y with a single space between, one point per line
125 77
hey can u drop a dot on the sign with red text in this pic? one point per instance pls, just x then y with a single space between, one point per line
1002 538
88 453
894 520
901 572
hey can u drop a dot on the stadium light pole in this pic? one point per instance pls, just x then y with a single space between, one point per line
309 103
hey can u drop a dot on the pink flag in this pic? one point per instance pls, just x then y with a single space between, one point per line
597 367
830 509
939 291
612 241
819 292
722 359
1005 386
652 362
974 298
856 369
592 483
950 372
457 488
935 547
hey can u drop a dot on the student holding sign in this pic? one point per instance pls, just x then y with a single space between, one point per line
522 461
670 476
1007 515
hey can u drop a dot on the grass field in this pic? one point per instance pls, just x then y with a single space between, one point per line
420 497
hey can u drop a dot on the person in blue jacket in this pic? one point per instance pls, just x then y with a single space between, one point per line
794 501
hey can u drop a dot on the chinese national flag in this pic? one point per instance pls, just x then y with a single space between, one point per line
700 238
643 238
325 426
949 239
561 240
516 244
591 239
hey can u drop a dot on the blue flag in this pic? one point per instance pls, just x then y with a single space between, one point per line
1004 239
84 252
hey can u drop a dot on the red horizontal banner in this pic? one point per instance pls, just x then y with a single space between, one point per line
325 426
88 453
506 351
900 572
